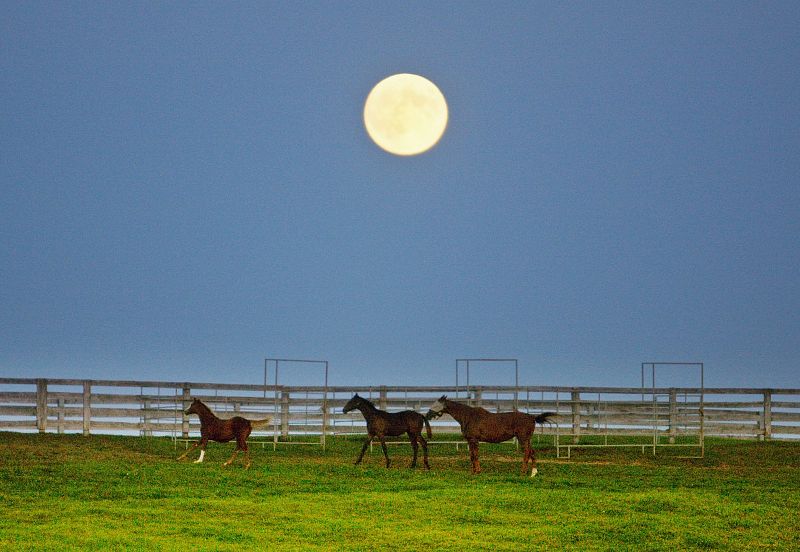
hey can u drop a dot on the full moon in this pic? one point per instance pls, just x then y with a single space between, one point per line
405 114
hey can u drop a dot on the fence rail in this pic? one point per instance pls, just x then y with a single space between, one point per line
297 413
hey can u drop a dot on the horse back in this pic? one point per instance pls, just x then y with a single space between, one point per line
228 430
397 423
499 427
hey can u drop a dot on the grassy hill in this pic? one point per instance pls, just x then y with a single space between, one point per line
99 492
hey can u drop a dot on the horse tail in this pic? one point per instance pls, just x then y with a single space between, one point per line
544 417
260 424
428 426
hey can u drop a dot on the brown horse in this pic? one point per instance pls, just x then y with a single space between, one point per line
222 431
478 424
383 424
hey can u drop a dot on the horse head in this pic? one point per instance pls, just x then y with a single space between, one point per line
194 408
438 408
352 404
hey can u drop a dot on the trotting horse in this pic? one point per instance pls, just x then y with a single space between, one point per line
478 424
383 424
222 431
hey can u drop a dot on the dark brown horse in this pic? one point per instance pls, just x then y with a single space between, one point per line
478 424
222 431
382 424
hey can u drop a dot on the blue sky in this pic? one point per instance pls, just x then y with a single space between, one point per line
187 189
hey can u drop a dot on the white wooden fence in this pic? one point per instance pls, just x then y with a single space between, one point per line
310 414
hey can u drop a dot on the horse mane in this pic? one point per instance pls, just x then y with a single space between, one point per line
467 409
369 402
206 408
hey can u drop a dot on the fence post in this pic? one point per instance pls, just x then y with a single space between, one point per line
146 431
187 397
673 415
87 407
61 415
576 417
285 414
382 398
767 415
41 405
324 419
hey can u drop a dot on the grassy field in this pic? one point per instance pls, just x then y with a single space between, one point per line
99 492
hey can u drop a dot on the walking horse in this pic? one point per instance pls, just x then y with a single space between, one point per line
383 424
478 424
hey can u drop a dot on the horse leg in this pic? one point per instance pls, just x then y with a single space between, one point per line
247 460
242 441
526 456
242 447
534 469
185 454
414 446
233 457
241 444
473 456
363 449
385 452
203 442
424 451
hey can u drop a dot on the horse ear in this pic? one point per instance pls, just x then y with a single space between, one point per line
443 398
356 396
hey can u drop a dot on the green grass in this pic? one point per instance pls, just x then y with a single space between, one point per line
100 492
